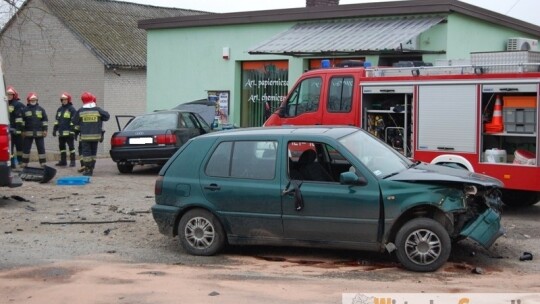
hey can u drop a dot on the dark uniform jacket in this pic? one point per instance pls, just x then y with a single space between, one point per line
89 123
35 121
15 115
63 124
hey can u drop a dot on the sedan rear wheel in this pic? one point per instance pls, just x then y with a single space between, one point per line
423 245
200 233
124 167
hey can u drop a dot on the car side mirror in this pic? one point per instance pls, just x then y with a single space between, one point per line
350 178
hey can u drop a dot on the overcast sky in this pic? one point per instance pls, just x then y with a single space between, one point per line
526 10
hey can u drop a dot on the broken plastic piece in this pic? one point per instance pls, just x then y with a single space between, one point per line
526 256
41 175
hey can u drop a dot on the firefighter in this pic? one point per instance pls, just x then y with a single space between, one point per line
88 121
63 127
34 127
15 125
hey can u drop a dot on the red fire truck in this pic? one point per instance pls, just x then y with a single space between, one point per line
479 118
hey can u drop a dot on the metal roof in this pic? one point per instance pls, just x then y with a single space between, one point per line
347 36
321 13
109 28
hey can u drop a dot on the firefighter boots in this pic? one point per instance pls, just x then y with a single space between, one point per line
89 168
72 160
62 161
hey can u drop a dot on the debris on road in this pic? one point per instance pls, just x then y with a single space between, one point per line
88 222
526 256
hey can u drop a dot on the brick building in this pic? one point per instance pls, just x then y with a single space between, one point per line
52 46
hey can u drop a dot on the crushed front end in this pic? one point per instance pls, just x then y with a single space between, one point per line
480 217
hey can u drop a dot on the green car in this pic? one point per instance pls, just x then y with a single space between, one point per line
321 186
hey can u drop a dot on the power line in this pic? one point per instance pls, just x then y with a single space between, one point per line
512 7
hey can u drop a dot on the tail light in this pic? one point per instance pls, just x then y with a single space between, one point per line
159 185
117 141
4 143
165 139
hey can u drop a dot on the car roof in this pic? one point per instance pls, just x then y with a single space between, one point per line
324 131
166 111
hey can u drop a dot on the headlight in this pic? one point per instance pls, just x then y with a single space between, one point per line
470 190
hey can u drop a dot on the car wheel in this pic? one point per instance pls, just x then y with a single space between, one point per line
124 167
200 233
422 245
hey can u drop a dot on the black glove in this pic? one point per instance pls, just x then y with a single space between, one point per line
54 133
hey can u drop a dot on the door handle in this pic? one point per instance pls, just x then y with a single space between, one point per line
212 187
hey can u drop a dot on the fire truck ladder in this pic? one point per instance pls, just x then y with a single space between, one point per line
453 70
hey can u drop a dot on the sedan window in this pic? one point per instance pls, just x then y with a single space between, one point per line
153 122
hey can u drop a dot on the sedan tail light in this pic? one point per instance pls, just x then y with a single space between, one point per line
117 141
4 143
165 139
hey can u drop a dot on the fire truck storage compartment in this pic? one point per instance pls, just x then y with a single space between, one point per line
387 114
519 116
447 117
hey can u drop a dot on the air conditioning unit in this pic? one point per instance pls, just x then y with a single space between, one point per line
522 44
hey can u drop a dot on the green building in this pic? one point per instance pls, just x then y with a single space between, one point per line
247 61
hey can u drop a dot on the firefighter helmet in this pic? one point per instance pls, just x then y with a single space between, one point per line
87 97
11 90
31 96
67 96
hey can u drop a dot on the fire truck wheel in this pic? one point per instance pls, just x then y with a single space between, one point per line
517 198
423 245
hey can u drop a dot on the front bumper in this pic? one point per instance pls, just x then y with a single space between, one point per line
486 229
165 218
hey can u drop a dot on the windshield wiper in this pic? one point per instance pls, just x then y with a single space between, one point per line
391 174
415 163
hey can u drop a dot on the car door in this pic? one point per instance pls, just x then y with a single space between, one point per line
190 122
332 212
240 180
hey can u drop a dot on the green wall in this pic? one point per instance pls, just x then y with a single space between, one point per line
466 35
184 63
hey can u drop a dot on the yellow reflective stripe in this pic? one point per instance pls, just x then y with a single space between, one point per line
91 137
39 114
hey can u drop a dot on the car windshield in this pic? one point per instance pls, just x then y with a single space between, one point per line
380 158
153 122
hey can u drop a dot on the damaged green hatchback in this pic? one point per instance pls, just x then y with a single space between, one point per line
322 187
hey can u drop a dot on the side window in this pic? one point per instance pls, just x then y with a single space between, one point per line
220 161
340 94
305 97
186 117
313 161
254 159
244 159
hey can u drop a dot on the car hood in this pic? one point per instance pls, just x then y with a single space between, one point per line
436 173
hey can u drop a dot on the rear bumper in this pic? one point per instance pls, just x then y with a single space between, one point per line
141 155
165 218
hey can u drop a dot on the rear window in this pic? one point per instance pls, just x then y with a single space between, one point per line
153 122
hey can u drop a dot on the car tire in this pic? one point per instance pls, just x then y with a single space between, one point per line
124 167
201 233
423 245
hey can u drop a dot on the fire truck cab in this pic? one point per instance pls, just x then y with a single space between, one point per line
480 118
